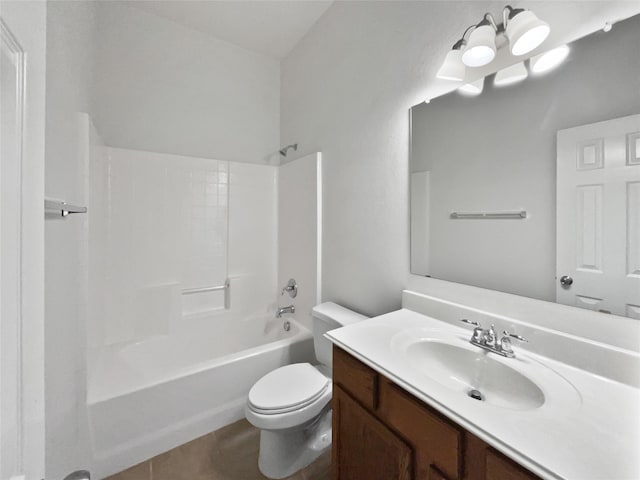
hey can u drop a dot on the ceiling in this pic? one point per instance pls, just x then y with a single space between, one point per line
269 27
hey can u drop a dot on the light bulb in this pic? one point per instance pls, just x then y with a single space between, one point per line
481 47
526 32
549 60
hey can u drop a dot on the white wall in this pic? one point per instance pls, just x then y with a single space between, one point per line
97 237
346 91
70 28
299 195
162 87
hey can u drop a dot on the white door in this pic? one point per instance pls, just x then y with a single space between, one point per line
22 90
598 216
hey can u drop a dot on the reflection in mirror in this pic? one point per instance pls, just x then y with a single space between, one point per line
562 146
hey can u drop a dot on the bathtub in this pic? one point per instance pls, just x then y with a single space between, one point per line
147 397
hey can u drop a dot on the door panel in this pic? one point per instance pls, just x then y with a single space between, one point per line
633 229
589 218
598 216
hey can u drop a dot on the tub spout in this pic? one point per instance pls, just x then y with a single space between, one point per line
287 309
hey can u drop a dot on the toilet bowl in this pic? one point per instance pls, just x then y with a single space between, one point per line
292 404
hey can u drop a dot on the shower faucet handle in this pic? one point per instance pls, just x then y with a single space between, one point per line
291 288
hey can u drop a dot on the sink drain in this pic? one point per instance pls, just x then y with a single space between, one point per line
475 394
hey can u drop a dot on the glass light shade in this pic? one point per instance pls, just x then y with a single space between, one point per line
472 89
526 32
452 68
549 60
481 47
510 75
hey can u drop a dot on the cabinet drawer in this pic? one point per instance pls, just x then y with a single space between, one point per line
356 378
500 467
436 441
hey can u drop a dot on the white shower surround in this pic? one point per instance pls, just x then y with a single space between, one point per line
147 397
170 369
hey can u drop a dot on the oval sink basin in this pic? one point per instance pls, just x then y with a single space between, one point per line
477 374
519 383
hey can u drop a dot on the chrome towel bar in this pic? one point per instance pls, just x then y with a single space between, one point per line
519 215
62 208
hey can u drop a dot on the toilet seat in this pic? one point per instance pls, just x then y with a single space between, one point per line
286 389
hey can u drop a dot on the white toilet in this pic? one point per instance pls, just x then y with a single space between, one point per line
291 405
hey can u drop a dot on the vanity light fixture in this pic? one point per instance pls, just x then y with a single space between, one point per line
521 29
549 60
472 89
510 75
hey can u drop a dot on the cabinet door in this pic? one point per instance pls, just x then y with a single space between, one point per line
500 467
363 448
435 441
436 474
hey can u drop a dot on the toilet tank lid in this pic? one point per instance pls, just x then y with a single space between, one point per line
337 313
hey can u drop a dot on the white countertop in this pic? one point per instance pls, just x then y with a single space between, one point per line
589 431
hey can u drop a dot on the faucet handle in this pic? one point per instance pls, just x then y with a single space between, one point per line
291 288
513 335
470 322
478 331
505 342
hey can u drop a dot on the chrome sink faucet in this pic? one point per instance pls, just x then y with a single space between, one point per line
287 309
487 339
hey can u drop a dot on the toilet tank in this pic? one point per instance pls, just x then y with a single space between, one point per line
328 316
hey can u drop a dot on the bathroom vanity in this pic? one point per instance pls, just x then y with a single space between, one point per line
415 399
383 432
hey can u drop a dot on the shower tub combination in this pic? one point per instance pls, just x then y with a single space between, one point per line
148 397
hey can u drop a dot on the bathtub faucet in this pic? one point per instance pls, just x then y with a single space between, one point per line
287 309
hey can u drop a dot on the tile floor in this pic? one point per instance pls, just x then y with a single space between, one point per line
230 453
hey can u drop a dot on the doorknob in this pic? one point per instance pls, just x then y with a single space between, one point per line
566 280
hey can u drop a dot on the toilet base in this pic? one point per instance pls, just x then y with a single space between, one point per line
284 452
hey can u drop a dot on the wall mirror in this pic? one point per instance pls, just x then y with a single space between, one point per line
534 188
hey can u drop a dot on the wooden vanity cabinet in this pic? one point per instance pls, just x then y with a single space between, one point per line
381 432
